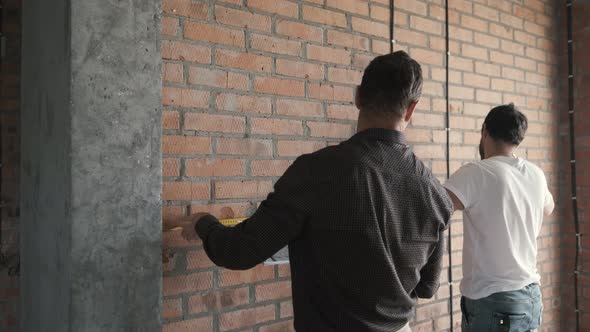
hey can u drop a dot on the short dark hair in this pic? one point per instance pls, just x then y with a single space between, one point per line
507 124
390 84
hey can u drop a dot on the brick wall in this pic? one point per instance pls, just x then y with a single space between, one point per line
251 84
9 195
581 71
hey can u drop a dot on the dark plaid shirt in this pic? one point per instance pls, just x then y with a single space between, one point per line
364 222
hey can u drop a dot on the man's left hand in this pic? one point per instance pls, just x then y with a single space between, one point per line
188 224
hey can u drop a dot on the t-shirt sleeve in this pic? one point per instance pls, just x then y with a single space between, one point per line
466 184
548 204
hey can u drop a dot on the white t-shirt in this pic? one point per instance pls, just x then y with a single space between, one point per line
504 199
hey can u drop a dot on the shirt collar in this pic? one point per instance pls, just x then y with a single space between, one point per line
382 134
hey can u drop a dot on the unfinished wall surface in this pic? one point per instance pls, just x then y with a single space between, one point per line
91 170
10 156
251 84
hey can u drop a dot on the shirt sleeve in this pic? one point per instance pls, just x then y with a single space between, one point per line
279 220
549 204
466 184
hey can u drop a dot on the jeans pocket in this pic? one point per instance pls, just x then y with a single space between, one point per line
503 322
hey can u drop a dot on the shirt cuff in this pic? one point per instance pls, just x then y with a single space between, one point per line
205 225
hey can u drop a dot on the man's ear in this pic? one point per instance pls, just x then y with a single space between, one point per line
356 97
410 111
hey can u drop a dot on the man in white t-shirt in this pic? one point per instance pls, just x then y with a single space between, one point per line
504 199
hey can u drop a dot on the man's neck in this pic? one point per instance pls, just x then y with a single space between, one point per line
503 152
365 122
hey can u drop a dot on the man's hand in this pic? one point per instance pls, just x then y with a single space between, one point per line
187 224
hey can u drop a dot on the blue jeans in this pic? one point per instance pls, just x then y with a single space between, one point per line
514 311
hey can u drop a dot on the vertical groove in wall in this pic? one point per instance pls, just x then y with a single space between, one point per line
570 51
448 159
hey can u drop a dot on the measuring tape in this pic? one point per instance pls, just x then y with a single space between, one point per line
224 222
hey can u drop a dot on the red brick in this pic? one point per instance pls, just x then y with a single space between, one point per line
204 324
223 210
346 76
266 126
426 25
299 69
475 52
187 283
486 40
361 61
501 57
486 12
187 8
461 5
437 12
511 20
214 123
301 108
360 7
526 89
501 31
171 308
174 191
185 144
343 112
525 63
461 92
488 96
273 291
514 48
242 189
214 167
410 37
172 72
329 130
169 26
462 122
370 27
279 86
473 23
286 326
297 148
424 56
244 147
427 120
460 34
286 309
461 64
198 259
172 211
523 12
535 54
379 13
525 38
328 54
241 18
246 317
477 81
488 69
175 50
238 103
172 96
502 85
269 167
429 151
280 7
415 7
330 92
348 40
537 79
232 278
323 16
170 167
218 300
432 88
245 61
213 34
217 78
298 30
170 120
275 45
534 28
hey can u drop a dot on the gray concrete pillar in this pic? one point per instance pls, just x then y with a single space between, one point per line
91 175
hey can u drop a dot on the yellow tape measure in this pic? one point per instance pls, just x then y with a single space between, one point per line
224 222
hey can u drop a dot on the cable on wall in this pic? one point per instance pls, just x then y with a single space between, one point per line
570 83
391 25
448 159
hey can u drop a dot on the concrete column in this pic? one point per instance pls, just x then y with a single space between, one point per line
91 166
